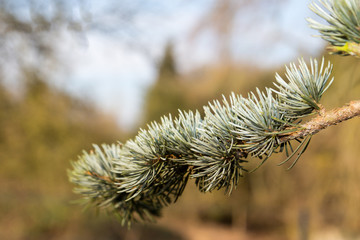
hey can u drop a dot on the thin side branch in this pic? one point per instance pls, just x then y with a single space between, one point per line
325 120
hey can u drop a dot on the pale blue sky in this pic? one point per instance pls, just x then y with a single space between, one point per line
116 76
113 67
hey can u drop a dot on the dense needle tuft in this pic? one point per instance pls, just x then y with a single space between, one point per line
304 89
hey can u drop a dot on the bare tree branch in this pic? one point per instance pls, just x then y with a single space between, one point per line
326 119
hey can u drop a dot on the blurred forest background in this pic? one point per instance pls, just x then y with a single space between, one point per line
43 127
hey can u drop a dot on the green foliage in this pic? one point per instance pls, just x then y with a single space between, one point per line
342 30
151 171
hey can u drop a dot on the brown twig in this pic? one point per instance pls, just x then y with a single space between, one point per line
324 120
105 178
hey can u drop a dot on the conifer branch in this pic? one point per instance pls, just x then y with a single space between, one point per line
137 179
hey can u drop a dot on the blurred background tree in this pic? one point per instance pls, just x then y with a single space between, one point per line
42 127
167 94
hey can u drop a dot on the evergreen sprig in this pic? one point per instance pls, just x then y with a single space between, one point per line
343 28
137 179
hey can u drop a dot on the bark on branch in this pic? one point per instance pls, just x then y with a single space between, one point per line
324 120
